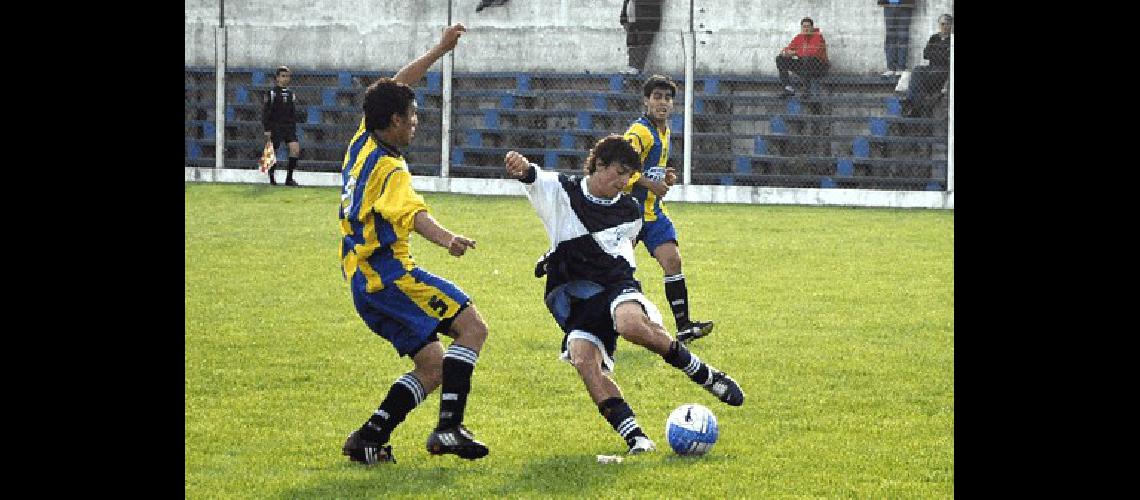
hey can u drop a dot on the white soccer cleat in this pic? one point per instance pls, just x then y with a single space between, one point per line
641 444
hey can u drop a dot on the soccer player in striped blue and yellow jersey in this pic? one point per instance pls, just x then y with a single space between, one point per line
399 301
649 136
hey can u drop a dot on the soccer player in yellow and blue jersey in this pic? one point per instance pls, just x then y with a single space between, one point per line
399 301
649 136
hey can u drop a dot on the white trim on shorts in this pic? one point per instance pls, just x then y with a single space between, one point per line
607 361
650 309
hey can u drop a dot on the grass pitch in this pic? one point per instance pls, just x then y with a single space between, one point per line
837 322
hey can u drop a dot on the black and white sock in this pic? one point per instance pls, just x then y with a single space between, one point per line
458 364
678 295
680 357
404 395
620 416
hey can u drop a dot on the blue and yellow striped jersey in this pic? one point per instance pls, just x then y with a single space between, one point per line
652 146
377 211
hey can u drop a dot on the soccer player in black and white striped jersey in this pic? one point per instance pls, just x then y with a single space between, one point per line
590 288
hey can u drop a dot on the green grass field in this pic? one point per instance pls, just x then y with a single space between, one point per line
837 322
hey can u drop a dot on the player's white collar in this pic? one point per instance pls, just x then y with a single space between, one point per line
595 199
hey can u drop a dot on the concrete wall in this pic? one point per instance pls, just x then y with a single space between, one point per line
746 35
733 36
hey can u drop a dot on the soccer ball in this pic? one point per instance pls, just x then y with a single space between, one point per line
691 429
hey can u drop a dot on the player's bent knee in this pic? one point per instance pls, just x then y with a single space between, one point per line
669 256
469 326
638 330
584 357
430 376
630 318
429 364
587 366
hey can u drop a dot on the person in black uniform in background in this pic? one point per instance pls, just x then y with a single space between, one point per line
279 118
641 20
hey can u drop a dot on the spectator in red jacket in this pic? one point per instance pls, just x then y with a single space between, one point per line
806 56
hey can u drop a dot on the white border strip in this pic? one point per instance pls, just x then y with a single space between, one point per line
681 193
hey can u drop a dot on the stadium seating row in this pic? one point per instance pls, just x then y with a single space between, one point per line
528 81
598 100
827 140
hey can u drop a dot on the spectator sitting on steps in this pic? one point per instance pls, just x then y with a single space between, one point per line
926 81
806 56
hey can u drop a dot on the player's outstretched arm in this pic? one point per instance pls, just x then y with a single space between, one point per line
455 244
412 72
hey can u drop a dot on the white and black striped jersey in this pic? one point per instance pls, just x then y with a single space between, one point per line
591 238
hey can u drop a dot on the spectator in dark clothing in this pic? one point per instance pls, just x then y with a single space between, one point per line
897 15
483 4
926 81
642 21
805 56
279 118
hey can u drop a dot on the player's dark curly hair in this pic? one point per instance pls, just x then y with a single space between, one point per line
384 98
659 82
610 148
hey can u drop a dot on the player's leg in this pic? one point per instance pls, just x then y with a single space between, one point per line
586 356
469 332
294 155
638 321
368 444
661 242
275 139
386 313
458 318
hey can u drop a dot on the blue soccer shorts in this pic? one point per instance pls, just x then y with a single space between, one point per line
409 311
657 233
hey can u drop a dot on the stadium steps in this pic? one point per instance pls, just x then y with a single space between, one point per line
495 112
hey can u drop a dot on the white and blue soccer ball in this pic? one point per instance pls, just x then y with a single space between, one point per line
691 429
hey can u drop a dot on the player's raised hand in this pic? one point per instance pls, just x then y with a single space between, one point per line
670 176
451 36
516 164
459 245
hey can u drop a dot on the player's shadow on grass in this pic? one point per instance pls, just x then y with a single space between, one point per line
257 190
383 480
566 475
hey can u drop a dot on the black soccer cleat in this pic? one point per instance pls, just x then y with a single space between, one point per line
291 182
724 388
456 441
358 449
695 330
